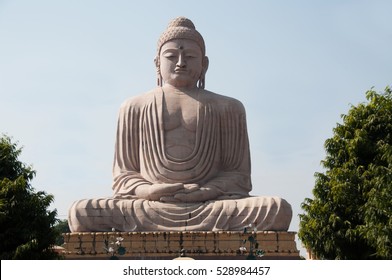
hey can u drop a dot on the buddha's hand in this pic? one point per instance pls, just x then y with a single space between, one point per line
200 194
156 192
187 188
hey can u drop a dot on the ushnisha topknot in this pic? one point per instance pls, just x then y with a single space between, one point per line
181 28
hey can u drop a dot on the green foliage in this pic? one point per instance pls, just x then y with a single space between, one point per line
61 227
350 216
26 226
254 250
114 248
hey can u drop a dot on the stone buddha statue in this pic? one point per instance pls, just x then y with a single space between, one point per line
182 159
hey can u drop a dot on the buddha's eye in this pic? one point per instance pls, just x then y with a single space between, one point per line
169 55
191 55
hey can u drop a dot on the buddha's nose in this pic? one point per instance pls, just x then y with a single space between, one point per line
181 61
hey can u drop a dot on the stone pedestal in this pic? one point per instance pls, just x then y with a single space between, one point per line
170 245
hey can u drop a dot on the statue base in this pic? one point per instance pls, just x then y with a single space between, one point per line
191 244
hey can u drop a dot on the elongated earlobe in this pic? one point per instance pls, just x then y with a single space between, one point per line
202 80
159 76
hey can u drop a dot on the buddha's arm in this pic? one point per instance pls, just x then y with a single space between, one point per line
126 175
127 180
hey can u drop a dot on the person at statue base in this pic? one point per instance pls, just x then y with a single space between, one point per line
182 159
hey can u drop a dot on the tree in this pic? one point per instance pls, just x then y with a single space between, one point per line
61 227
26 225
350 216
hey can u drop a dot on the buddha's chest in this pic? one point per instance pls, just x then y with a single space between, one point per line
180 119
180 112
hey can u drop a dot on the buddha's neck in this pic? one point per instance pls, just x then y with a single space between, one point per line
180 90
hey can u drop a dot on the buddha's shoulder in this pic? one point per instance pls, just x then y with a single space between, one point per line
223 101
140 100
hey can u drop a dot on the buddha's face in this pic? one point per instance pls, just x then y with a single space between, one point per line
181 63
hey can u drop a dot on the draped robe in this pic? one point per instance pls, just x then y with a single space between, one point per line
220 159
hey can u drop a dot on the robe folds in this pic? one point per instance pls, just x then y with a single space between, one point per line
220 159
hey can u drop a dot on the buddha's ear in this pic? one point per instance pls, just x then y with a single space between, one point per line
205 64
202 79
158 70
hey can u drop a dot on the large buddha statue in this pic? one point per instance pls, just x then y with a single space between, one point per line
182 159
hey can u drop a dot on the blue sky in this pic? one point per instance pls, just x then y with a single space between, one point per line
66 66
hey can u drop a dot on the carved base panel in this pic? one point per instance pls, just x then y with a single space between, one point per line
170 245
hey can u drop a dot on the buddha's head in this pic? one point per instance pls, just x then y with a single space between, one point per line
181 59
